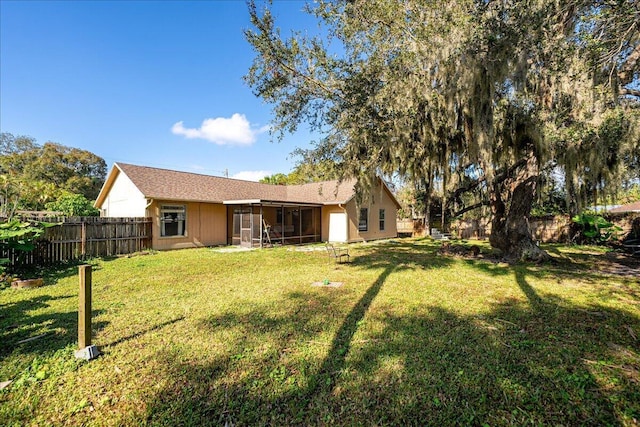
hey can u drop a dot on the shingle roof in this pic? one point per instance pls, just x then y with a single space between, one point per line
174 185
631 207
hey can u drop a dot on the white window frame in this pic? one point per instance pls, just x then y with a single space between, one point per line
363 221
381 218
180 212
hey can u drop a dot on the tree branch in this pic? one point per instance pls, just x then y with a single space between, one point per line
275 44
630 92
497 179
627 68
472 207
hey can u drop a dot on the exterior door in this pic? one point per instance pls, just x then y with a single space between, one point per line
337 227
245 228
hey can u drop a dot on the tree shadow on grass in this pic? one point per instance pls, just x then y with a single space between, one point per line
412 255
512 366
54 330
50 273
107 346
543 361
278 387
509 367
585 261
591 269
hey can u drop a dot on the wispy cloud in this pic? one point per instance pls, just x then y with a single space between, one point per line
251 175
235 130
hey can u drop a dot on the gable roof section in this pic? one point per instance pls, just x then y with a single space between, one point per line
174 185
326 192
164 184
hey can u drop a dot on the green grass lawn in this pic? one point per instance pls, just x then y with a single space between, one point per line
203 337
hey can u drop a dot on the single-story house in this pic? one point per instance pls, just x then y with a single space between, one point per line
193 210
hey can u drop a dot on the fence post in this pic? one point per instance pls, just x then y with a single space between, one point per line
86 350
83 246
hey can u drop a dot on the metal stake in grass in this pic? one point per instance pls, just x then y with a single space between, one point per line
86 350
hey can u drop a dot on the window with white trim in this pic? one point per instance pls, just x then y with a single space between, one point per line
381 219
363 222
173 220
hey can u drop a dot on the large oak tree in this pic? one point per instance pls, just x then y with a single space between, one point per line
477 96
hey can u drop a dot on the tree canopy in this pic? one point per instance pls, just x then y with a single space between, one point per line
71 204
309 168
33 175
478 96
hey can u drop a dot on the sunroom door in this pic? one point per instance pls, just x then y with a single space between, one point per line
245 228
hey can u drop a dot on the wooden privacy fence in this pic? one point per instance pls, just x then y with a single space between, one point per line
410 227
86 237
556 229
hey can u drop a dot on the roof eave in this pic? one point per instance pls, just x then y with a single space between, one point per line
106 187
242 202
269 202
172 199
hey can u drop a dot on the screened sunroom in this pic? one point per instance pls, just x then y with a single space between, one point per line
258 223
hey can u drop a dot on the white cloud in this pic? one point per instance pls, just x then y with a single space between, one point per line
235 130
251 175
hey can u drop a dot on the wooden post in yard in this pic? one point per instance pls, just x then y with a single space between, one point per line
86 350
84 307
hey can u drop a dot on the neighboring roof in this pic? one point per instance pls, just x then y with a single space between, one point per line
166 184
631 207
601 208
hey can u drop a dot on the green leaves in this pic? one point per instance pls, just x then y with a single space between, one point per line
595 228
73 205
32 175
16 235
443 93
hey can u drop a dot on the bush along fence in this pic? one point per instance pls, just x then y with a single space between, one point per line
74 238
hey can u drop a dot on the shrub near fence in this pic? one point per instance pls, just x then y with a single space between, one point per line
86 237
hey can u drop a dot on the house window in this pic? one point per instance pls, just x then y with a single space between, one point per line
363 223
381 218
172 221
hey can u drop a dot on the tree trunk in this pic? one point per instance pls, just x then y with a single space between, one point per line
443 214
426 222
427 217
573 199
443 211
510 230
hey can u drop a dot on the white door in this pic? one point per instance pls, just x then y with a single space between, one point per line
337 227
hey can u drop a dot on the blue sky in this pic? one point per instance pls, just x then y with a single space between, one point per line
156 83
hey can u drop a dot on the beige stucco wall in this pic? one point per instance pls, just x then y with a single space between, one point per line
206 225
123 200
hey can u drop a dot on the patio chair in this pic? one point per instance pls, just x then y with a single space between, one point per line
338 254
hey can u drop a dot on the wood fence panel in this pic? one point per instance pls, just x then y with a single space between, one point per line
76 238
547 230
